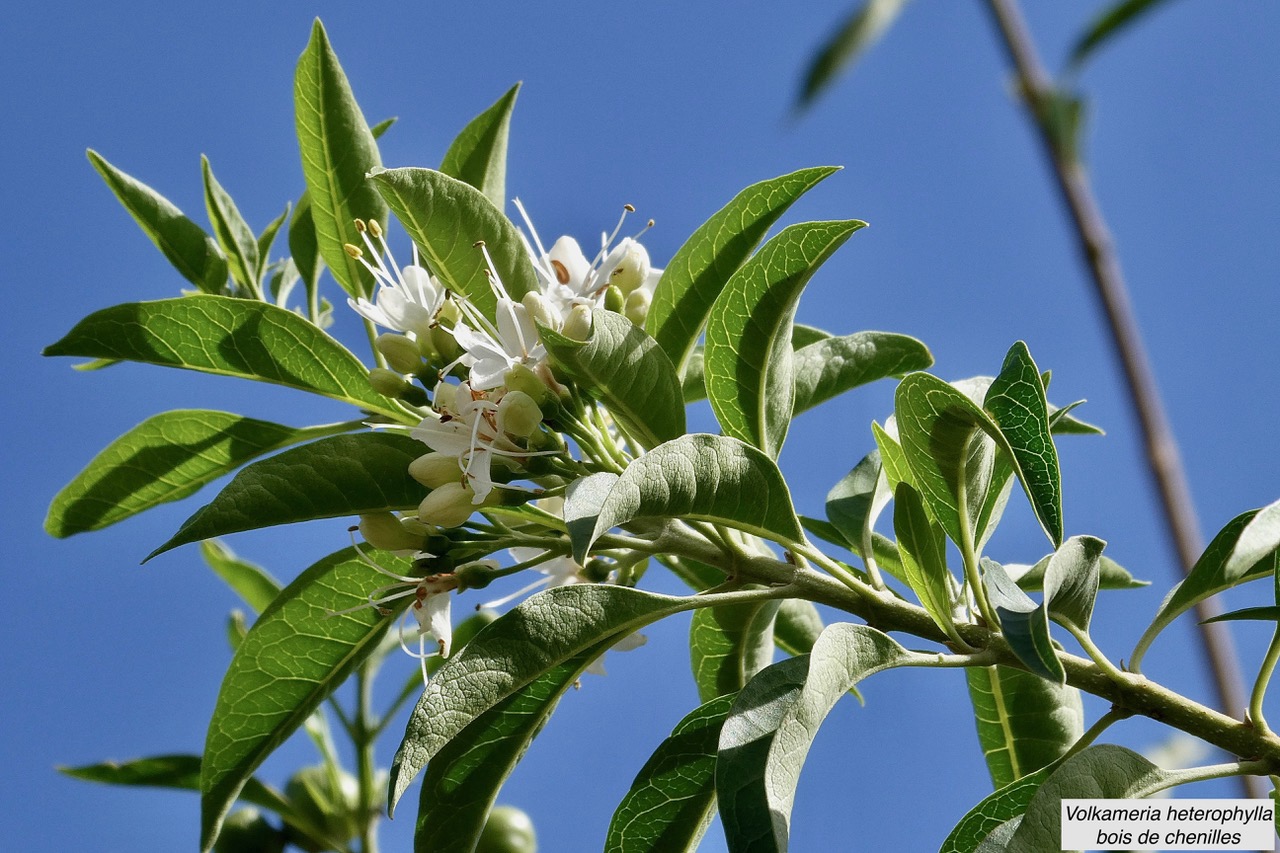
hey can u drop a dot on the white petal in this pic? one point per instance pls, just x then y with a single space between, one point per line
573 265
451 437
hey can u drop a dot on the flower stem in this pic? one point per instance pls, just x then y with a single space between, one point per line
364 730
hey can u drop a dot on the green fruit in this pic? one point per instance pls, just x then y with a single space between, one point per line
314 798
508 830
247 831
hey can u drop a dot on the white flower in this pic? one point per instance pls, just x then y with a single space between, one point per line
490 351
408 299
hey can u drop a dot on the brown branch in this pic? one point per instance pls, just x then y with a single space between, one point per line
1104 266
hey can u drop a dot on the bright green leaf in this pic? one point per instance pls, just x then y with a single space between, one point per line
831 366
729 645
923 547
191 251
997 808
229 337
251 582
627 370
1071 581
165 458
479 155
338 152
297 653
884 549
345 475
233 233
856 33
854 503
1111 575
706 477
1109 22
446 218
670 802
1024 722
268 238
1259 538
702 266
749 358
1024 623
1017 402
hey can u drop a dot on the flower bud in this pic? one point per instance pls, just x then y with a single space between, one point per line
435 469
476 575
614 299
507 830
447 506
518 414
630 266
521 378
540 310
577 326
445 396
392 384
442 341
636 308
401 353
247 831
384 531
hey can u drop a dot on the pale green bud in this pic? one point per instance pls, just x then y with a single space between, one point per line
445 396
540 310
577 326
632 267
401 353
384 531
614 299
518 414
521 378
387 382
447 506
435 469
443 342
637 307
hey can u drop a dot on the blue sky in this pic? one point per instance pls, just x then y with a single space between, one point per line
671 107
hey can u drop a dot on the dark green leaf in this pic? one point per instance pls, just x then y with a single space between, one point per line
251 582
829 367
304 249
1016 400
338 152
797 626
1208 577
165 458
855 34
297 653
749 359
802 335
229 337
1024 623
446 218
1270 613
995 809
729 645
670 802
627 370
191 251
854 503
1071 581
1109 22
1024 722
1111 575
923 547
479 155
463 779
344 475
707 477
268 238
702 266
233 233
181 772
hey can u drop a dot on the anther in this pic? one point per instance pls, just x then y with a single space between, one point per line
352 250
360 226
375 229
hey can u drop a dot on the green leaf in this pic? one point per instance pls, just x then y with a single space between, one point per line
995 809
707 477
893 458
1017 402
446 218
1024 722
479 155
627 370
268 238
797 626
1071 582
767 734
1024 623
338 152
923 547
1269 613
829 367
854 503
1209 576
856 33
802 335
191 251
343 475
463 779
671 800
536 636
297 653
251 582
693 383
166 458
729 645
233 233
229 337
1104 772
1259 538
749 359
1108 23
884 549
1111 575
181 772
1062 422
304 249
701 267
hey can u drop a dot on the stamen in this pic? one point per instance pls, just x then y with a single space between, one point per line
507 599
353 251
528 223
